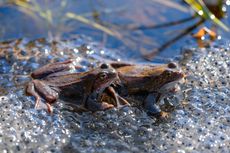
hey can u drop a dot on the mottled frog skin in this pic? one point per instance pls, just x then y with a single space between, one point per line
106 86
54 80
150 82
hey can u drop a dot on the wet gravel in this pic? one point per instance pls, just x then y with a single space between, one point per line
199 122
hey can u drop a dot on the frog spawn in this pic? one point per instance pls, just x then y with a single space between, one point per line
22 128
208 106
199 123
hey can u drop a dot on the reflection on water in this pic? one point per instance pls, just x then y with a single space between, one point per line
56 20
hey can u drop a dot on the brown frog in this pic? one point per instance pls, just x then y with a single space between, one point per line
54 80
148 83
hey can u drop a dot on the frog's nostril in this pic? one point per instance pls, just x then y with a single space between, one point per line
172 65
104 66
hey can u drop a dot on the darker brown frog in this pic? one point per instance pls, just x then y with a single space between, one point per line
54 80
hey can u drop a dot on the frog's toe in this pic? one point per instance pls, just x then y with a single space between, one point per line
105 106
40 105
37 103
164 114
49 108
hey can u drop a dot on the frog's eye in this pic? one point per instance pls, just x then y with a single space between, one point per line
104 66
172 65
102 75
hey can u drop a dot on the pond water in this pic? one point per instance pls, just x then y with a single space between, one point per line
116 15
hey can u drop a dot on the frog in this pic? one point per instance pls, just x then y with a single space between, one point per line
148 83
56 80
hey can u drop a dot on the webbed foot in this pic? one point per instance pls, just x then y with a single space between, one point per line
150 105
164 115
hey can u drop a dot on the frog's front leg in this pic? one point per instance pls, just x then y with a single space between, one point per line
39 89
53 68
119 101
92 104
150 105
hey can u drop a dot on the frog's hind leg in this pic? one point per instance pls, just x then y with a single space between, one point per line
30 90
54 68
150 105
37 89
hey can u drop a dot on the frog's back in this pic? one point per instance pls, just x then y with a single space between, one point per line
142 70
65 80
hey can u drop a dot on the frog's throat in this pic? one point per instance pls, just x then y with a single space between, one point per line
102 89
167 87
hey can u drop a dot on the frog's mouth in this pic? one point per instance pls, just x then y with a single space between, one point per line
171 87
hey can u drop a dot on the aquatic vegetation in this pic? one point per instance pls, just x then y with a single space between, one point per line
119 23
200 7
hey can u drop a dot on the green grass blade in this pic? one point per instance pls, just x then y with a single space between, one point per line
202 10
93 24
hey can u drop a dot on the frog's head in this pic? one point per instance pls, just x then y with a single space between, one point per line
170 76
104 77
172 73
